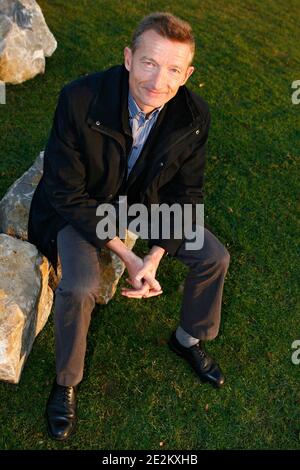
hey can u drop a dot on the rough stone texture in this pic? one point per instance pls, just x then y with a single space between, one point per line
25 40
15 205
25 303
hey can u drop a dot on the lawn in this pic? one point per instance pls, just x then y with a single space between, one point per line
136 394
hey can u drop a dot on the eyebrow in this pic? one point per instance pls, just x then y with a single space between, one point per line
152 60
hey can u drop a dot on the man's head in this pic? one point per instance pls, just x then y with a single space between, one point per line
159 59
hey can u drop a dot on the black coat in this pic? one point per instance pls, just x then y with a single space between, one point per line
85 158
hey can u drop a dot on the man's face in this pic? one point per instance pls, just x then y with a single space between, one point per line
157 68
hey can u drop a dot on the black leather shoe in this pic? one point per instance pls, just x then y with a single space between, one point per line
61 412
204 366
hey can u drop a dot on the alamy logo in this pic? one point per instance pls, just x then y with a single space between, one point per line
2 93
296 354
296 94
162 221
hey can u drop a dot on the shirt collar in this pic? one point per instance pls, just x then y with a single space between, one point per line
135 110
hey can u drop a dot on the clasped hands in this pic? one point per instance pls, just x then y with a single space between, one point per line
142 274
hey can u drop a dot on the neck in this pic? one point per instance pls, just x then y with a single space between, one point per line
146 109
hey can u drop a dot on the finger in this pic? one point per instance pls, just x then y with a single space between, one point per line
141 290
136 283
153 283
131 292
140 274
131 295
152 294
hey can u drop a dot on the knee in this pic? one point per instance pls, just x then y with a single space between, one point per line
223 260
78 293
217 262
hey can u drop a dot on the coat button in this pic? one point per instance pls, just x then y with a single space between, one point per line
98 123
161 164
197 131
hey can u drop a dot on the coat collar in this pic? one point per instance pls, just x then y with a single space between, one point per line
109 109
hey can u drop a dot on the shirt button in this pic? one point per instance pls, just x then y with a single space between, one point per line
197 131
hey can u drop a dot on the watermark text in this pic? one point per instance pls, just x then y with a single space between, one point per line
161 221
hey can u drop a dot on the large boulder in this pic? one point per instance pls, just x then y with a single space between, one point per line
15 205
25 40
25 303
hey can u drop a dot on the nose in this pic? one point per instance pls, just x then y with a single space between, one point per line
159 80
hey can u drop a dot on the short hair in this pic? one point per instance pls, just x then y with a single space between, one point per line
166 25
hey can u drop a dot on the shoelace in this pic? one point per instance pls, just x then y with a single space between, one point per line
200 352
65 394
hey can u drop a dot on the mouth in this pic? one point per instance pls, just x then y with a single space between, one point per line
154 92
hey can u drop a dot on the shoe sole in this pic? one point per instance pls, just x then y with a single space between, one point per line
201 378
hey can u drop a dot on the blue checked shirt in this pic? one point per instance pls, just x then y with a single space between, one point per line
141 125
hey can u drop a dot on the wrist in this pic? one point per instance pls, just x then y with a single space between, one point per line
155 254
128 256
119 248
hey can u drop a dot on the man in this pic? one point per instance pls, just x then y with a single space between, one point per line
132 130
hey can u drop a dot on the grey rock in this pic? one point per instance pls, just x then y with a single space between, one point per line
25 303
15 205
25 40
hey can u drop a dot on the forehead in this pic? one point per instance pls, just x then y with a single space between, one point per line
160 49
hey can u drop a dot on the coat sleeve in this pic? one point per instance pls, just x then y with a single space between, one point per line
64 175
186 187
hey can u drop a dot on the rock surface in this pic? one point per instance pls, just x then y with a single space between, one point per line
25 40
15 205
25 303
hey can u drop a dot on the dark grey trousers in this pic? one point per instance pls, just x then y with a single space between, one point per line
78 289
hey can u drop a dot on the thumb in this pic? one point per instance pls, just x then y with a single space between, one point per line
136 283
153 283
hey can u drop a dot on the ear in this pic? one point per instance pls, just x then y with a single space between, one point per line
188 73
127 58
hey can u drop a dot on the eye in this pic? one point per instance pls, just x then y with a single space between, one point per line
175 71
148 63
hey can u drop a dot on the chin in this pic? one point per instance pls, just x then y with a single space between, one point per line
154 103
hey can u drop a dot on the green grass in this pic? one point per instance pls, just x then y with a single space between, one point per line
136 393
